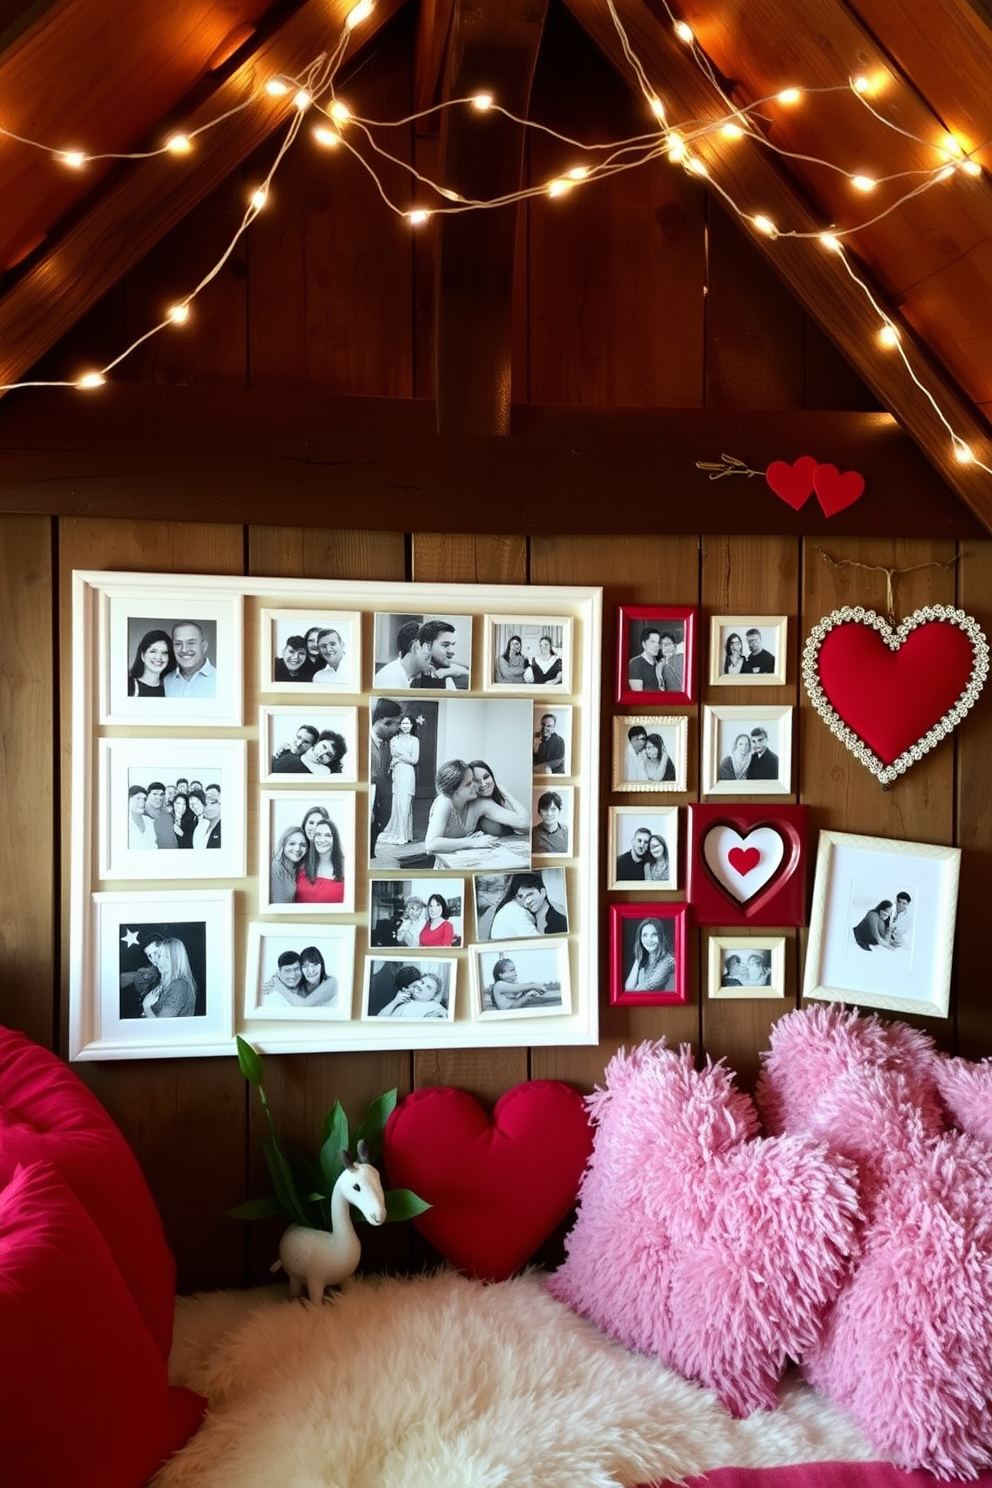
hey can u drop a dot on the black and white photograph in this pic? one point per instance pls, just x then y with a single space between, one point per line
529 653
741 967
307 848
882 923
316 650
163 975
172 808
650 753
647 953
422 652
656 654
553 814
298 745
173 659
521 981
449 784
551 741
748 650
409 989
747 750
410 913
520 906
298 972
643 852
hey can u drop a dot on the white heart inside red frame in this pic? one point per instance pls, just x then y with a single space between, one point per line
730 857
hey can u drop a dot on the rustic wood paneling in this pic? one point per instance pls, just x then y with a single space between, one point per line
185 1118
973 827
29 834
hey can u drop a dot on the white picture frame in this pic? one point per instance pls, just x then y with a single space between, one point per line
107 1019
280 732
745 967
268 1000
388 999
281 811
723 726
552 752
277 625
125 764
429 653
540 968
553 832
851 957
628 822
130 614
540 646
635 738
399 914
521 906
763 650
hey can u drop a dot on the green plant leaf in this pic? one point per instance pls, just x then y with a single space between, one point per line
257 1208
250 1062
282 1181
336 1124
402 1203
335 1142
372 1125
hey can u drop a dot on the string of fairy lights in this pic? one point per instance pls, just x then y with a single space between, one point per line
312 99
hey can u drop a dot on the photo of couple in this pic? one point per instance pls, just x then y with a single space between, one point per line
172 659
163 971
407 912
753 969
528 653
312 843
421 651
520 906
319 652
416 989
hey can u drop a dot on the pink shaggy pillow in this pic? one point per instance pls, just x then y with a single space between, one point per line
697 1241
907 1346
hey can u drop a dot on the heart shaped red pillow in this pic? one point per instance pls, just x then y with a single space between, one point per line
498 1184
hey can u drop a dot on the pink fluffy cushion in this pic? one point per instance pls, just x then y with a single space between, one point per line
966 1090
697 1241
46 1112
83 1383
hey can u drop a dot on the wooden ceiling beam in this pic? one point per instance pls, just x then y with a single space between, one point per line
815 276
433 25
493 48
149 198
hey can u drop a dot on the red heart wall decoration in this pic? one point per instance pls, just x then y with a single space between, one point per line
792 483
834 491
891 695
499 1184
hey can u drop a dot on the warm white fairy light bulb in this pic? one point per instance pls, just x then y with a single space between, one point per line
178 314
302 99
327 137
675 146
558 187
577 173
276 88
764 225
863 183
179 144
963 453
340 112
861 84
888 335
417 217
482 101
696 166
945 173
657 107
259 198
730 130
684 33
91 380
789 96
358 14
831 242
73 158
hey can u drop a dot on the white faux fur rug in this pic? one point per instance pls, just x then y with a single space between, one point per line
440 1382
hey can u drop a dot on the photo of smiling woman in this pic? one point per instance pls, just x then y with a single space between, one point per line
307 846
163 971
153 661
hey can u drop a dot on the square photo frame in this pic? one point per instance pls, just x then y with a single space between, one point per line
301 746
414 914
404 990
650 752
656 654
325 820
528 654
155 977
144 835
521 906
745 967
329 641
644 849
747 864
748 650
421 652
299 973
648 954
882 924
521 981
553 815
169 658
747 750
551 740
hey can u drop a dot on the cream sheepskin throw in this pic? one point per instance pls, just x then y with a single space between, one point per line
442 1382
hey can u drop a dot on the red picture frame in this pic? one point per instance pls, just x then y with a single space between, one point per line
727 844
679 621
625 931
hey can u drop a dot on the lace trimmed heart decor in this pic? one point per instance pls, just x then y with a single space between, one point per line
892 694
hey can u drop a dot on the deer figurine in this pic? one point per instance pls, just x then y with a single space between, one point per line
322 1258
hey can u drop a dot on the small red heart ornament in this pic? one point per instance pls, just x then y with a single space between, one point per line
793 483
835 491
743 859
890 695
498 1184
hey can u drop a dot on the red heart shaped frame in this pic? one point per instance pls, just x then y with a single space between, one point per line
780 899
891 695
793 484
498 1184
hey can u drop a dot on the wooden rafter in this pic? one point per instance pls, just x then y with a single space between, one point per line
137 210
817 278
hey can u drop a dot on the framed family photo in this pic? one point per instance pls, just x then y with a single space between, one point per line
747 751
656 654
528 653
521 906
521 982
299 973
170 658
300 745
882 924
414 989
172 808
648 954
317 649
306 852
748 650
410 913
551 741
422 652
650 753
745 966
644 848
155 977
